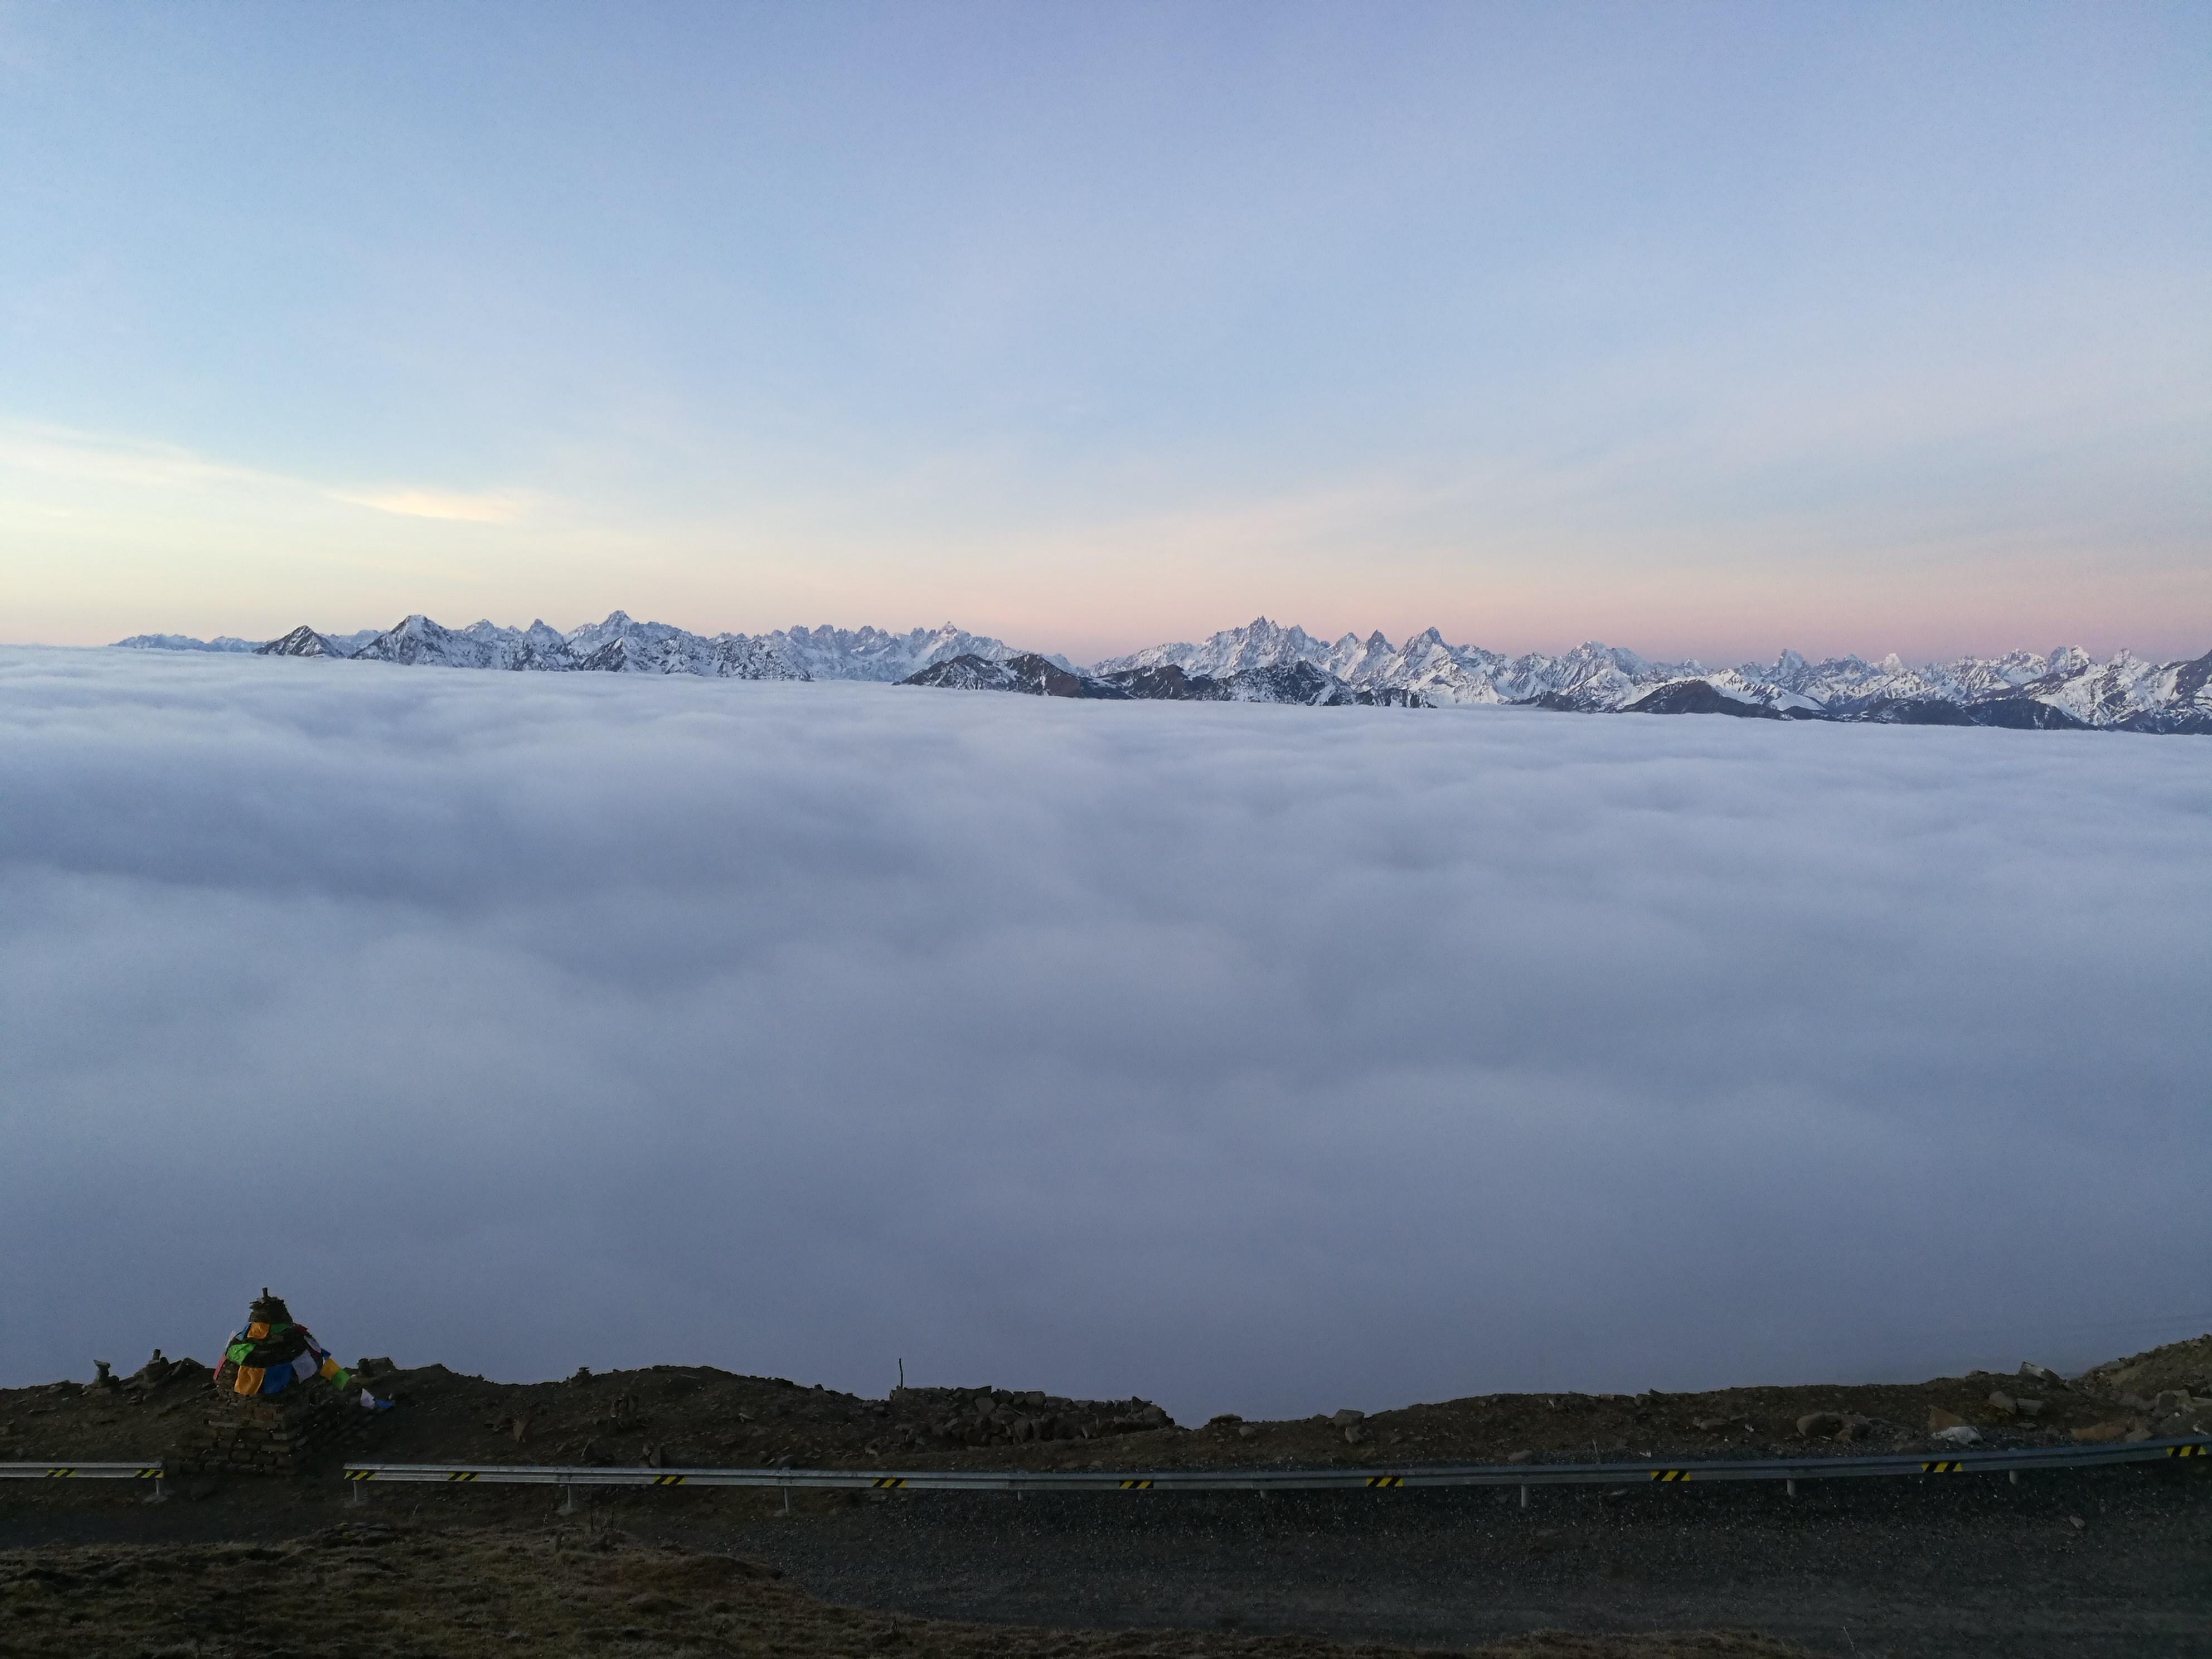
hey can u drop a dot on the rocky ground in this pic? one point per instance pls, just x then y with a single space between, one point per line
2099 1563
686 1415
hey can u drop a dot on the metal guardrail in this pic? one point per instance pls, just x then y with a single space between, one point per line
1522 1475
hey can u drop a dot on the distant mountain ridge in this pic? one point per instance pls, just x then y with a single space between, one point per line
1265 661
623 645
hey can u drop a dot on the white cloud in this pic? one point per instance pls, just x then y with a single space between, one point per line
61 453
1250 1058
437 504
64 453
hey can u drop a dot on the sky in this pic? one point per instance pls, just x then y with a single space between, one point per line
1702 329
1246 1057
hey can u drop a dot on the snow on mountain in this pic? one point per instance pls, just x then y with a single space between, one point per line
418 640
301 641
1291 681
1039 677
1259 644
1745 688
1595 677
1425 664
623 645
870 653
187 642
1266 661
2131 692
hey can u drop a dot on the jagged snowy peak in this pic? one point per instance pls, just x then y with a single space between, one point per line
1972 678
1259 644
870 653
1841 683
621 644
1592 677
1425 664
1027 672
1304 683
418 642
225 643
1745 688
301 641
1597 677
1267 661
2129 692
1279 682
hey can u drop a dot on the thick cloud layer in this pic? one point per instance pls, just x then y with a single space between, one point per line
1251 1058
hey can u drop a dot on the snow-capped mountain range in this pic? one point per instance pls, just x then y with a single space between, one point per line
623 645
1265 661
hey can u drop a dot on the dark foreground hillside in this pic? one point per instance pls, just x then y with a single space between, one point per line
696 1416
371 1591
2097 1564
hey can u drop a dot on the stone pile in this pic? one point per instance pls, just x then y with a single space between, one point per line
280 1437
929 1419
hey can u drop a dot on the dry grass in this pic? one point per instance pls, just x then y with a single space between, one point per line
380 1592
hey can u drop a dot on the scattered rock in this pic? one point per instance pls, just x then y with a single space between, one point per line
2042 1373
2003 1403
1959 1434
2138 1432
1939 1419
1819 1423
2028 1407
1246 1431
2076 1522
1354 1434
2098 1434
1522 1457
1348 1417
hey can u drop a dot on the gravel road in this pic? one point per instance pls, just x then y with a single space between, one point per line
1927 1567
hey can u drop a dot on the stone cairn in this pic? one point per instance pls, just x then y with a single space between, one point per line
255 1436
278 1433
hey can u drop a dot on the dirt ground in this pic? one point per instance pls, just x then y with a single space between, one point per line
370 1590
2089 1564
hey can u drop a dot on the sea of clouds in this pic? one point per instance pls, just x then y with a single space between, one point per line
1249 1058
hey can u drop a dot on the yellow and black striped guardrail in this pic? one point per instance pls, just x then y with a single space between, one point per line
1269 1480
1202 1480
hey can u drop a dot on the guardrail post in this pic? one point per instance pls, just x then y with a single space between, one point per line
1524 1494
2013 1475
1792 1485
786 1498
354 1499
568 1498
161 1489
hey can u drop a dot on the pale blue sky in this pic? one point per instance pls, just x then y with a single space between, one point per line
1701 329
